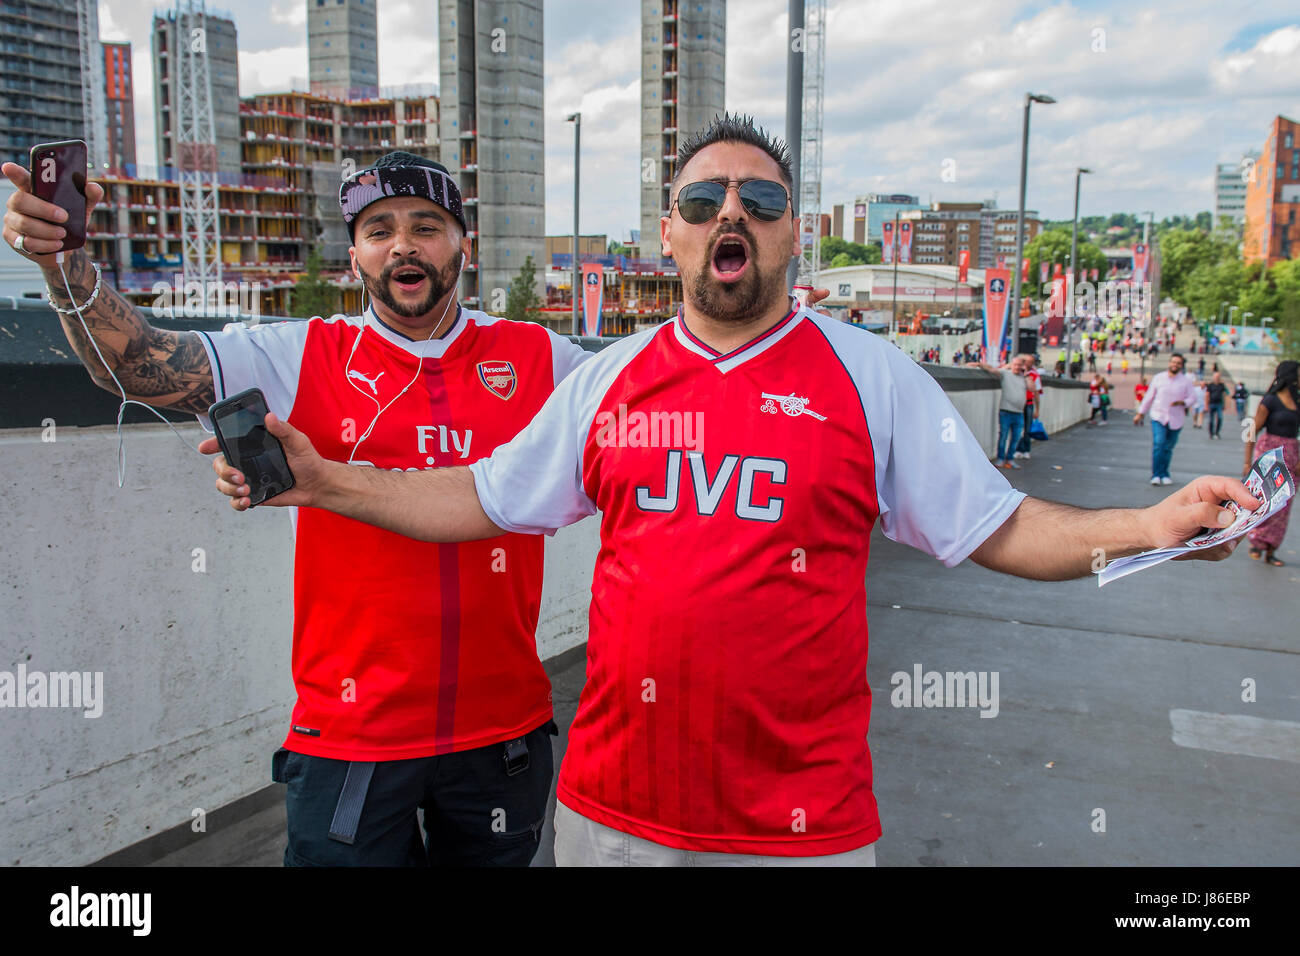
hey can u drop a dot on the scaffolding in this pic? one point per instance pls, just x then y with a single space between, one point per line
810 155
196 149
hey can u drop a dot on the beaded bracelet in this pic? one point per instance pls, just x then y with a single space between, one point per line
99 276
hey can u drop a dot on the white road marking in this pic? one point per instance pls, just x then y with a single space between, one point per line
1236 734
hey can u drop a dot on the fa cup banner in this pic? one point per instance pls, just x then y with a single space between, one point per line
1139 264
963 264
886 242
997 283
904 242
593 297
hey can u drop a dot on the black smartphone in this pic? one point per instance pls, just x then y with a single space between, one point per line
59 176
240 424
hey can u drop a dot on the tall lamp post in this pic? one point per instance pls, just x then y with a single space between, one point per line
893 314
576 120
1030 98
1074 277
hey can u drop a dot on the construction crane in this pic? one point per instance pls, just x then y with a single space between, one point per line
196 150
810 160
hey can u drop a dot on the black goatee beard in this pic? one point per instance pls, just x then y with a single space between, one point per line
735 302
439 284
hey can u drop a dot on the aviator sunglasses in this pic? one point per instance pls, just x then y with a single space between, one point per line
762 199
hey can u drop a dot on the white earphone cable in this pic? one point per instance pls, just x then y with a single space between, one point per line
415 378
121 409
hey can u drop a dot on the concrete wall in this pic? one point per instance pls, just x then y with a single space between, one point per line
184 606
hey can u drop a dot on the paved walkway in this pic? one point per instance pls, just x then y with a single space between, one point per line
1121 704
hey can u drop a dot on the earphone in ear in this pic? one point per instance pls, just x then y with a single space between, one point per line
463 259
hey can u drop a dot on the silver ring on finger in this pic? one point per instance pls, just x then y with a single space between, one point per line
18 243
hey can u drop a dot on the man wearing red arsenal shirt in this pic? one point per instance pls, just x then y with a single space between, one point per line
419 685
739 456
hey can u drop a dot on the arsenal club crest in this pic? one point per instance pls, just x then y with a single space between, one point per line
498 378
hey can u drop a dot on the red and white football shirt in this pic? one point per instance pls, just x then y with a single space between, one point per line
727 705
403 648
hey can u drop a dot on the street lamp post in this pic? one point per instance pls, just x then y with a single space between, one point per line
1030 98
1074 277
893 315
576 120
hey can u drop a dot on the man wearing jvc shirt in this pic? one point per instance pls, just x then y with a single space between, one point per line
419 685
725 715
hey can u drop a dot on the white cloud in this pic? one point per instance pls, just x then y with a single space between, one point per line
600 79
271 71
290 12
109 29
1270 68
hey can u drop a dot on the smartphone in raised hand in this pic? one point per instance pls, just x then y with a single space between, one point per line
240 424
59 176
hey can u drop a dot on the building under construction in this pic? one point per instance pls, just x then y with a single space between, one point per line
683 74
295 149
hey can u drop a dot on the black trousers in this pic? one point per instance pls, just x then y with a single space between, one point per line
476 813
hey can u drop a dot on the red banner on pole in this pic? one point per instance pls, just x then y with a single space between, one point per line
1139 263
1055 306
904 242
997 290
886 242
963 264
593 297
1024 269
1042 273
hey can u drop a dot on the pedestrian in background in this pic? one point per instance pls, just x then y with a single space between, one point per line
1198 404
1094 398
1011 410
1277 424
1167 401
1241 395
1033 400
1215 392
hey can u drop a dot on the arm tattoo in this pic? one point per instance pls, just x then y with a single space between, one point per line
162 368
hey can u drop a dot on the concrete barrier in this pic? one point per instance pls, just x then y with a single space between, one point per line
184 607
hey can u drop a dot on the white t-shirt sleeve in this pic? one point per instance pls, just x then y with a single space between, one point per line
533 483
268 357
936 489
565 356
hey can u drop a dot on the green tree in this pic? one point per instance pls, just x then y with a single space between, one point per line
1053 246
1275 293
616 248
313 295
1286 275
1181 251
522 301
1210 284
840 252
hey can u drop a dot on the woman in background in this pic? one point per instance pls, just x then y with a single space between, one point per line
1277 423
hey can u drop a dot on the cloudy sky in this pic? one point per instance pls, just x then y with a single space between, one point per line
922 96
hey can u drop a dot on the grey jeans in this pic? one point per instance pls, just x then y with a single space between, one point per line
580 841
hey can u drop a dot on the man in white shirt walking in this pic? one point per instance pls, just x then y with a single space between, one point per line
1167 401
